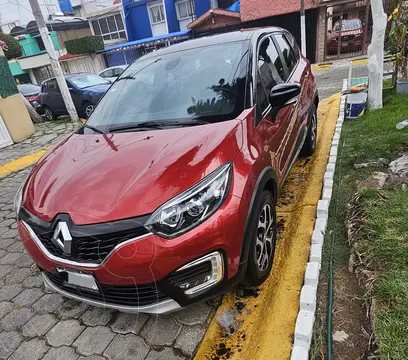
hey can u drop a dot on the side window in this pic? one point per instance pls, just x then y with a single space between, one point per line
287 51
107 73
117 72
293 44
52 86
270 72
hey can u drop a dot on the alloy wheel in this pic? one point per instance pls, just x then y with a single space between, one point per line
265 237
48 114
89 110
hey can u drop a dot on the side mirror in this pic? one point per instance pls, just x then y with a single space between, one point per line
281 94
71 89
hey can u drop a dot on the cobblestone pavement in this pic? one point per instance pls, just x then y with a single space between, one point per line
47 133
37 324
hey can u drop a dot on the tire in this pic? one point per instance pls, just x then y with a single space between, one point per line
309 147
87 109
263 240
49 114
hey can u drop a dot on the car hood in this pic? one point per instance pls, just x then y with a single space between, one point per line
98 178
97 89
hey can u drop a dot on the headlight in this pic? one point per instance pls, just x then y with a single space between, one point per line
17 199
193 206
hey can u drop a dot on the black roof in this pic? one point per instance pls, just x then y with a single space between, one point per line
241 35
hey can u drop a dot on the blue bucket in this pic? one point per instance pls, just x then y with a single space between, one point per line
356 103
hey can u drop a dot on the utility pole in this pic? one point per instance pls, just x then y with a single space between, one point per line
55 65
303 26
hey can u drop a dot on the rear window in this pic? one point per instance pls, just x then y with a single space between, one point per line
28 89
348 25
206 83
83 81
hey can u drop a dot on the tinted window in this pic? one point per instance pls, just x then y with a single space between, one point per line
348 25
270 72
28 89
287 52
293 44
107 73
117 71
86 80
52 86
206 83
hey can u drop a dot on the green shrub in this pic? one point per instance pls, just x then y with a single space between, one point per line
14 48
84 45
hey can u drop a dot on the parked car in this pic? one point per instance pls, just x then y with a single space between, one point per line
86 90
156 204
113 72
32 94
352 36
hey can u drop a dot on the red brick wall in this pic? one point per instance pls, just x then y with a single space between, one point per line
219 22
257 9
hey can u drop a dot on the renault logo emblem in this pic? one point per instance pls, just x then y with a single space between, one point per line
62 237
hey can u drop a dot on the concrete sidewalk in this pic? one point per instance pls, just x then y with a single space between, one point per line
21 155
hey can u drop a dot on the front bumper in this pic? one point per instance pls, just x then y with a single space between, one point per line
161 307
150 259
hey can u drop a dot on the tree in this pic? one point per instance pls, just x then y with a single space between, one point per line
13 47
376 56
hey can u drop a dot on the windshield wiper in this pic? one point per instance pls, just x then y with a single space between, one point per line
147 125
93 129
135 126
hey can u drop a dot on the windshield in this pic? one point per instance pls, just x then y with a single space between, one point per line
28 89
348 25
206 83
83 81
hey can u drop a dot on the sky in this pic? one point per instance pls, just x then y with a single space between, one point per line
20 10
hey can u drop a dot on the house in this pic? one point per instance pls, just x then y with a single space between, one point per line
108 23
260 13
34 64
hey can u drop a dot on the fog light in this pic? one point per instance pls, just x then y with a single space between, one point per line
200 274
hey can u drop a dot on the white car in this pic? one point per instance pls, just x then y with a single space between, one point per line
113 72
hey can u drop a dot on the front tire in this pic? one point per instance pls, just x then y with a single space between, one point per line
309 146
263 240
87 109
49 114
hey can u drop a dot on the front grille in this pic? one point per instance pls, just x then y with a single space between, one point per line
193 273
128 295
90 245
347 38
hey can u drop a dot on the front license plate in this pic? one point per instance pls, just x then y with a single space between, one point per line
79 279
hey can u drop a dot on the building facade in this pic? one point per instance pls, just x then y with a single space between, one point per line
151 18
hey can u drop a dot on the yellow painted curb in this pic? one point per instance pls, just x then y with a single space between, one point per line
268 320
359 62
321 67
22 163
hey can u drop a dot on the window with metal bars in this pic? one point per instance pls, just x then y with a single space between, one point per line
156 13
110 27
185 9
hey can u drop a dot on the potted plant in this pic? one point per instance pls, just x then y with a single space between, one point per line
398 35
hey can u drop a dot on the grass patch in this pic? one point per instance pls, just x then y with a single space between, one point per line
387 249
363 140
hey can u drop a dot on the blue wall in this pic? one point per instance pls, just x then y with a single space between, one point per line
137 18
171 16
202 6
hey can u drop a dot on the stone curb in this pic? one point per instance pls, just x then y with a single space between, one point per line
308 295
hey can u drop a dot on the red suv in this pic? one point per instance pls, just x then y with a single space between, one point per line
167 195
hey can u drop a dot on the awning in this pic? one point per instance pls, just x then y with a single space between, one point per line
154 39
235 7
